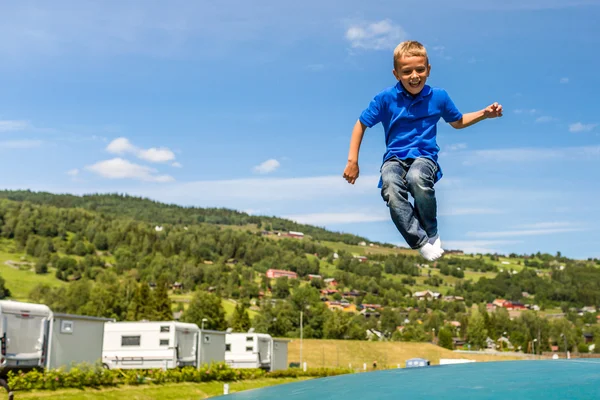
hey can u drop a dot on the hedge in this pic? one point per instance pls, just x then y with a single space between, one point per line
82 376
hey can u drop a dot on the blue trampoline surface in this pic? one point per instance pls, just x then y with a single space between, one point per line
541 379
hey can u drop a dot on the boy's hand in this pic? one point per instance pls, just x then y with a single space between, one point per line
351 172
493 111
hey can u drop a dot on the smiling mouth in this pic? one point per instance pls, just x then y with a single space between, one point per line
415 84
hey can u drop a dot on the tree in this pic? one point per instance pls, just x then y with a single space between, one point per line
162 303
476 332
282 288
240 320
209 306
445 339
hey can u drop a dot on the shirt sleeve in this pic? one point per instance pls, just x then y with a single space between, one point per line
371 116
450 113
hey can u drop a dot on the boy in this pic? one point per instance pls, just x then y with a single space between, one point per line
409 113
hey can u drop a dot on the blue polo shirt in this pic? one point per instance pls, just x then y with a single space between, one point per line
410 122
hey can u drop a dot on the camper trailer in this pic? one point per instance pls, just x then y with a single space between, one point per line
280 354
149 344
255 350
74 339
211 347
24 330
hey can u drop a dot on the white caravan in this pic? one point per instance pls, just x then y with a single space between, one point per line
24 335
254 350
149 345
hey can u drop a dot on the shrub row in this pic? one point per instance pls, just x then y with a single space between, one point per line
83 376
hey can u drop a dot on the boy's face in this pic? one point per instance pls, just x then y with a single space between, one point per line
412 72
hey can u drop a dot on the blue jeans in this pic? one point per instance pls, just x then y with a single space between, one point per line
417 177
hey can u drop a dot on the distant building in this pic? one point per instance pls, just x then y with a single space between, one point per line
278 273
298 235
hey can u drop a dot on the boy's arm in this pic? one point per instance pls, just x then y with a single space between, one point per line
351 171
491 111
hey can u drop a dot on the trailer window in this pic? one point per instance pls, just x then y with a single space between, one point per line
164 342
249 348
166 328
228 347
130 340
249 338
66 326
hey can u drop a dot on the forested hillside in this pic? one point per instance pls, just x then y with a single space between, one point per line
130 259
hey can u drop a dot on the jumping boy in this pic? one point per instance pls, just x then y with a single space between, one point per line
409 112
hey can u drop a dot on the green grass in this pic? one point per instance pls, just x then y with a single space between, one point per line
172 391
20 282
333 353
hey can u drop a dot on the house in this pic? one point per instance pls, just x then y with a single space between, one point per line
277 273
588 337
498 303
312 276
360 258
177 286
453 298
352 293
298 235
344 306
328 292
426 294
371 306
330 281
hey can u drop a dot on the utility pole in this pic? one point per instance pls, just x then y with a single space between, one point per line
301 322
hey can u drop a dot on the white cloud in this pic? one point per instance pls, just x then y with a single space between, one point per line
156 155
176 165
470 211
580 127
547 225
456 147
523 232
475 246
13 125
20 144
73 172
267 166
525 154
121 146
321 219
564 80
381 35
118 168
544 119
525 111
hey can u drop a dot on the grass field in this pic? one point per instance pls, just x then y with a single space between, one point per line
19 281
174 391
334 353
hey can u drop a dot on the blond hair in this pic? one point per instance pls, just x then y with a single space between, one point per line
410 48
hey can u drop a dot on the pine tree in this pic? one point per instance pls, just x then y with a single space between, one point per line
240 320
162 303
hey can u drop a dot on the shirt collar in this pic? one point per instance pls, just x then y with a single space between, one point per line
424 93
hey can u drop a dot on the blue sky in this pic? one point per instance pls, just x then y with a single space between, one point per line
250 105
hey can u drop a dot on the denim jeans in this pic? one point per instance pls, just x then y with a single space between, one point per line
417 177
